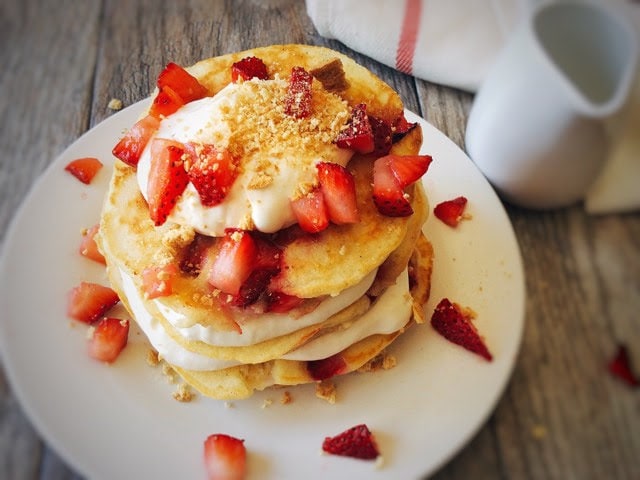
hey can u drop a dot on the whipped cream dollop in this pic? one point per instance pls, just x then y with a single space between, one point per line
277 153
389 313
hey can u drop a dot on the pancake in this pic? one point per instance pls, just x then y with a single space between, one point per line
340 276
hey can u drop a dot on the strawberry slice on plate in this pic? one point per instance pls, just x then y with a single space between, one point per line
88 301
248 68
225 457
182 83
108 339
339 192
450 321
88 247
130 147
212 172
298 99
84 169
310 211
167 178
357 134
356 442
451 211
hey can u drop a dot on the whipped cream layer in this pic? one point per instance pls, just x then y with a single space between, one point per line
277 153
265 326
390 312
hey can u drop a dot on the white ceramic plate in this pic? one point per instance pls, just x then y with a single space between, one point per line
121 421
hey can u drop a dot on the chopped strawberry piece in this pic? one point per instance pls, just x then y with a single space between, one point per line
388 194
234 262
297 102
211 171
620 366
339 192
88 301
356 442
88 246
401 126
326 367
165 103
130 147
167 178
248 68
225 457
157 280
278 302
391 174
195 255
409 169
108 339
357 134
252 288
84 169
381 136
452 323
182 83
268 254
311 212
451 211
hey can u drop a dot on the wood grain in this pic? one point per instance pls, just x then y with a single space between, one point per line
562 415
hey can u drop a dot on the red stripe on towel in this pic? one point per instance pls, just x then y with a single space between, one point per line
408 36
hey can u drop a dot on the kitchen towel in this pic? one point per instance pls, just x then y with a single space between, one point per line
454 43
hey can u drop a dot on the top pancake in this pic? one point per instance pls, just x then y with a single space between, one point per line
314 266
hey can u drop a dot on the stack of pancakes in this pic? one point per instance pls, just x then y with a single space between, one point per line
376 271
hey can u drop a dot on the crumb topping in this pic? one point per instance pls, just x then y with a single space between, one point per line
326 390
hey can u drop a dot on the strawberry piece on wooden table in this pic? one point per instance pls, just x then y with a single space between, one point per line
339 192
356 442
225 457
357 134
130 147
212 172
298 99
84 169
167 178
108 339
248 68
310 211
620 366
88 301
452 323
88 247
451 211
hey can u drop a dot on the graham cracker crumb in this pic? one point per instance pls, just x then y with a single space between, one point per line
286 398
153 358
183 393
267 403
326 390
114 104
169 372
382 361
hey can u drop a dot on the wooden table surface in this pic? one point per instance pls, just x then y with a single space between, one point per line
561 417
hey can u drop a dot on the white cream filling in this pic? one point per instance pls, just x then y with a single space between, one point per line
390 312
256 329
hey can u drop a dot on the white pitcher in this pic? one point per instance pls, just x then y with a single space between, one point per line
536 128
